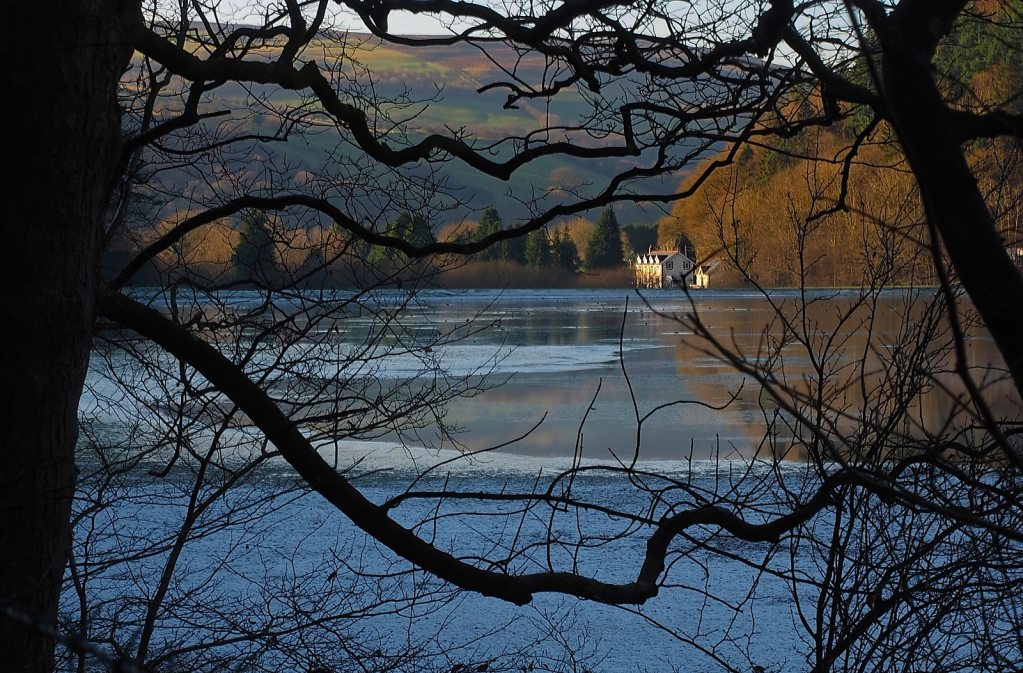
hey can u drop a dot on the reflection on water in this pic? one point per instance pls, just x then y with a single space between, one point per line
561 352
557 350
559 358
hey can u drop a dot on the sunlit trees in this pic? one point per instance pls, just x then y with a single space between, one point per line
123 96
743 214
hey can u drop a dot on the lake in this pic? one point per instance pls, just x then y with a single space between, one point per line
281 555
553 350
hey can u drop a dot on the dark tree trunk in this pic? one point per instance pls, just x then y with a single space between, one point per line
953 201
60 140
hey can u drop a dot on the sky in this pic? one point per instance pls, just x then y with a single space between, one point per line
399 23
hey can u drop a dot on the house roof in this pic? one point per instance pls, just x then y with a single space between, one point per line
658 256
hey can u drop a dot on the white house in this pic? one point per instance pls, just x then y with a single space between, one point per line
671 268
1016 255
664 269
702 276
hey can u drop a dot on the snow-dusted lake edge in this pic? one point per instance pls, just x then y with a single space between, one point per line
557 357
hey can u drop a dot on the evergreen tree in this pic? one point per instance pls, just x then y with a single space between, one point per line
604 249
398 227
419 232
566 253
413 228
514 250
256 255
342 239
538 249
313 272
628 251
490 223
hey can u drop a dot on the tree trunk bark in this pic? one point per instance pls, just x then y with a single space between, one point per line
60 143
951 197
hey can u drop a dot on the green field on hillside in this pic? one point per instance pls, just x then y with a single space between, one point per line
409 93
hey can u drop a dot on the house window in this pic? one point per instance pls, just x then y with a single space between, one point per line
670 265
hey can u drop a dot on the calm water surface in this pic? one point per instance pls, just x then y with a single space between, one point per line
561 356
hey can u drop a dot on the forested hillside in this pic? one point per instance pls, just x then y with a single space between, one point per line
409 92
838 206
831 206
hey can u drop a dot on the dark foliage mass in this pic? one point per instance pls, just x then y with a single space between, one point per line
604 249
641 238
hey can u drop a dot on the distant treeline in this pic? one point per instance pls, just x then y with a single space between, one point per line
260 248
789 211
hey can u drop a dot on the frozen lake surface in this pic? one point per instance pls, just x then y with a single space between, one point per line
558 357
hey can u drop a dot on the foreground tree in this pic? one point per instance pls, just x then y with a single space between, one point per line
53 283
89 135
